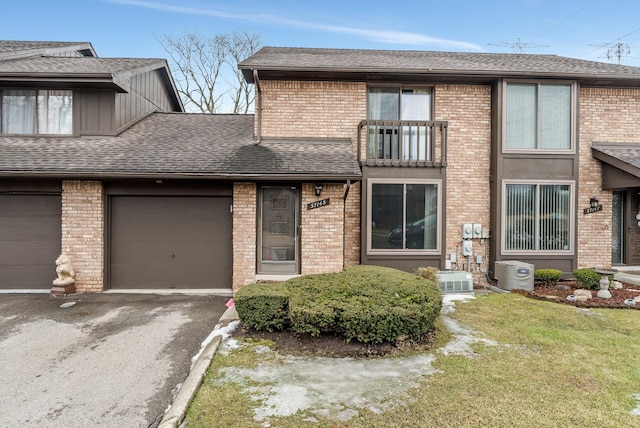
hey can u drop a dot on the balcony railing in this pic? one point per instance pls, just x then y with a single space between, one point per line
403 143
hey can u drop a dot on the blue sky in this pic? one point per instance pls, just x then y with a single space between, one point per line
131 28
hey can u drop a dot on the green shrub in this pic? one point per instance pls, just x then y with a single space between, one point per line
371 304
549 277
428 273
588 277
263 306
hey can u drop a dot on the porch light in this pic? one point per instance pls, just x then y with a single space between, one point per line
318 190
593 202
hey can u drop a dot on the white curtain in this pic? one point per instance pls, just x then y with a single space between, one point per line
55 110
18 112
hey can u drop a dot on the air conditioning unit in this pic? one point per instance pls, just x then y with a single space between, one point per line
455 281
512 274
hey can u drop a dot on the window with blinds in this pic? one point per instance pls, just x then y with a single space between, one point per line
538 117
537 217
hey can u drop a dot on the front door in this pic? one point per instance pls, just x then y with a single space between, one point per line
625 249
278 237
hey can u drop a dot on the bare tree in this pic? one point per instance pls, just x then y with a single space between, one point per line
240 46
206 70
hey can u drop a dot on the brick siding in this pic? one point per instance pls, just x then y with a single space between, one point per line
83 232
607 115
467 108
244 234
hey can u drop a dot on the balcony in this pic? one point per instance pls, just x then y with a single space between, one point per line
403 143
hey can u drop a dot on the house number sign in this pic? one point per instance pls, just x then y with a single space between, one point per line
318 204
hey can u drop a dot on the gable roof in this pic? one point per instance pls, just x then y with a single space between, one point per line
74 65
179 145
360 63
21 48
624 156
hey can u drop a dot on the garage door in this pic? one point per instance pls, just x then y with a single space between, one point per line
30 234
176 242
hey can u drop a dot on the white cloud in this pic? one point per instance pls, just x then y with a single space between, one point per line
381 36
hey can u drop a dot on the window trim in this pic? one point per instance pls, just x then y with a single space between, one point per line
400 251
572 217
574 114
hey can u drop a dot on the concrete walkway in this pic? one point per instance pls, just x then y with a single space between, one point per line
111 360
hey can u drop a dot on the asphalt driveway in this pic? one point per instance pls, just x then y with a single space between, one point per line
110 360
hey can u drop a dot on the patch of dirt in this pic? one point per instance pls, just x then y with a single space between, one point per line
328 345
565 288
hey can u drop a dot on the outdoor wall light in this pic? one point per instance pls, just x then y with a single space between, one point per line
318 190
593 202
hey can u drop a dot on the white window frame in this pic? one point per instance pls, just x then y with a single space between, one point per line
573 115
401 251
572 216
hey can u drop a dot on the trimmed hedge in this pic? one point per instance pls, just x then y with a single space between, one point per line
263 307
371 304
588 277
550 277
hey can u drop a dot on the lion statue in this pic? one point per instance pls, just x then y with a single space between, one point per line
66 275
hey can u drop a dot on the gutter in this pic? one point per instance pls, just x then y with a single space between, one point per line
258 106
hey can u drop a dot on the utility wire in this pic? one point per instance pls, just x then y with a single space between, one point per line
564 20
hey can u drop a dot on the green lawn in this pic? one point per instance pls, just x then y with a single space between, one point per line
511 361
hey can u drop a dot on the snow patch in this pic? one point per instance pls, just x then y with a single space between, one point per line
218 330
329 387
636 411
463 337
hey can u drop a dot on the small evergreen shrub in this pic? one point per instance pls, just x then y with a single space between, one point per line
549 277
263 306
588 277
371 304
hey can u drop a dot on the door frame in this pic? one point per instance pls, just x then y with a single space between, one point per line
270 267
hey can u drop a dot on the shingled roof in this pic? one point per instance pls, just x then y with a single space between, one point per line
179 145
23 48
431 63
624 156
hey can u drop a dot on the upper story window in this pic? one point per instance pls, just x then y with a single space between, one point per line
538 117
36 112
398 123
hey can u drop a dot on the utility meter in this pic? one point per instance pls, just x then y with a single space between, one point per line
467 231
467 248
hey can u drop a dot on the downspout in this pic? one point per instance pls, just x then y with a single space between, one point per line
344 222
258 107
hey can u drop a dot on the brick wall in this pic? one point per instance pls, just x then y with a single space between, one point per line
607 115
83 232
244 234
352 226
313 109
468 110
322 235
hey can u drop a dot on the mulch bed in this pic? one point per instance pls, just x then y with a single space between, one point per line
329 345
559 294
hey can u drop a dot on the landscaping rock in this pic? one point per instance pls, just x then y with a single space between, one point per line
637 299
585 294
562 287
616 285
